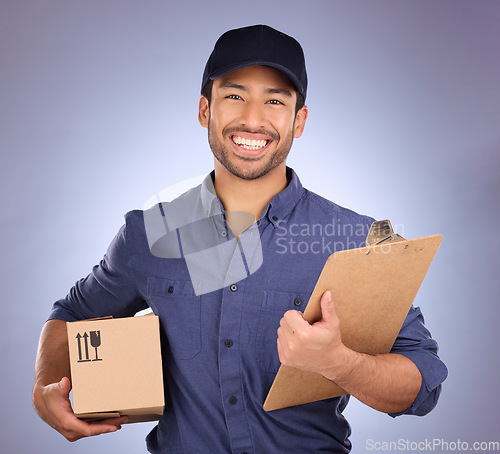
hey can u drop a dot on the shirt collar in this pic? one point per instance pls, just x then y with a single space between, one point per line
277 209
283 203
209 200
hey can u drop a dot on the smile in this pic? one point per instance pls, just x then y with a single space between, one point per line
249 144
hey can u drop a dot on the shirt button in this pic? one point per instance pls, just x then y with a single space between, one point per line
228 343
170 289
223 233
297 302
233 400
233 287
275 218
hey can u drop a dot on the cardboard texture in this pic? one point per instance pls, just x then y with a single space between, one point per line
116 368
373 289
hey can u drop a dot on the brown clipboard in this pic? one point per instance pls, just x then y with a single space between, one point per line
373 289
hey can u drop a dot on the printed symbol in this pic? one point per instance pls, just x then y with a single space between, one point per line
95 341
85 337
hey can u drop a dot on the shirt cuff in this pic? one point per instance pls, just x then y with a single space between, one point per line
433 372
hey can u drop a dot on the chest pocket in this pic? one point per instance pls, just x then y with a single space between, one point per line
274 305
179 310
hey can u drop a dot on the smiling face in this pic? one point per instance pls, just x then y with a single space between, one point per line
251 121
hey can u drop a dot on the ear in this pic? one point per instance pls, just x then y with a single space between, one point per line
203 111
300 121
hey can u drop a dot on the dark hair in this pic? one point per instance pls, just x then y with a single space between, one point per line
207 92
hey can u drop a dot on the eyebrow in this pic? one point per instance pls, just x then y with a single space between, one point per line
228 84
279 91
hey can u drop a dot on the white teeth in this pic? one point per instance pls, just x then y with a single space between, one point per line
249 144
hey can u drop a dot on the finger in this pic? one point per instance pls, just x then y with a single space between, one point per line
118 421
284 348
101 426
74 428
62 390
65 386
327 307
290 331
294 321
65 420
61 404
282 337
280 351
285 332
90 429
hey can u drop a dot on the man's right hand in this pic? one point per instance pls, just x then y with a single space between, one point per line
54 407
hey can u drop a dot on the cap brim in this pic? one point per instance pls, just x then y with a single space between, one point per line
280 68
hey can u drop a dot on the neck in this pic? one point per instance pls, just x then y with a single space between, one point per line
252 196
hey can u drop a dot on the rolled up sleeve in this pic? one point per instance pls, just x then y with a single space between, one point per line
414 341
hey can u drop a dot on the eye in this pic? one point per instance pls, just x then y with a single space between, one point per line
233 97
275 102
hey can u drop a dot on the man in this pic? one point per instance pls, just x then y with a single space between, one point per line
228 277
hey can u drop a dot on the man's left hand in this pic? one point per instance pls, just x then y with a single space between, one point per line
314 348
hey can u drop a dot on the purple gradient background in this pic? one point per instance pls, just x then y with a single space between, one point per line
98 111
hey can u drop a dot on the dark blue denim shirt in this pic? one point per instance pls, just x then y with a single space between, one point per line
220 302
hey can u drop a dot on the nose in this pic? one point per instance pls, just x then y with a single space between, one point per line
253 115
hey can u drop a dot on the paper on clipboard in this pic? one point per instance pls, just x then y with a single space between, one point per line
373 289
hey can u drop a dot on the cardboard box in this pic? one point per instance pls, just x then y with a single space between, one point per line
116 368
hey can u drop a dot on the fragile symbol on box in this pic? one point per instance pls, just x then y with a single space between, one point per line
95 341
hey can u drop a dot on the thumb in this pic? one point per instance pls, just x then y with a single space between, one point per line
327 307
65 386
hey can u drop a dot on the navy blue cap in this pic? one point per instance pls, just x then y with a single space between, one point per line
257 45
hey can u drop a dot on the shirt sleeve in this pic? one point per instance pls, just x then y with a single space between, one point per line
414 341
110 289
